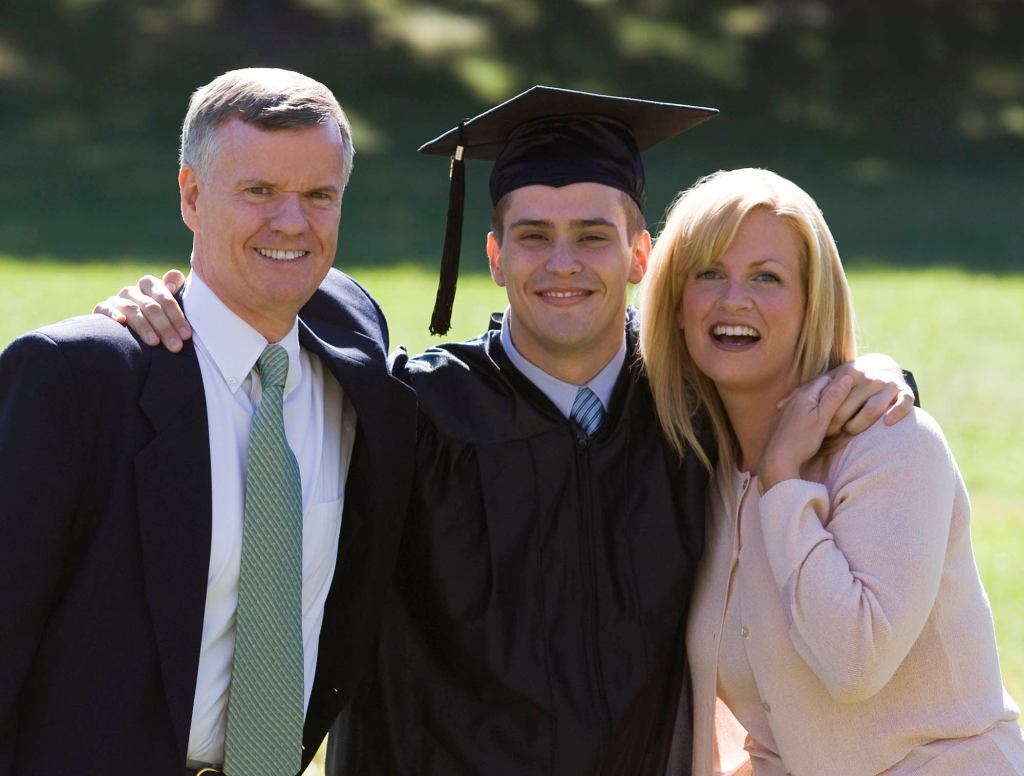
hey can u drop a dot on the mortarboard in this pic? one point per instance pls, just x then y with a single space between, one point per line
552 137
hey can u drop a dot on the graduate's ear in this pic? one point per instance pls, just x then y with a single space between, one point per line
494 259
641 251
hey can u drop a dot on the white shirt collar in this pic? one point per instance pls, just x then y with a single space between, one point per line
233 345
563 394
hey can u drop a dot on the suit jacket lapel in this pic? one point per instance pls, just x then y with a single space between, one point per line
377 397
174 503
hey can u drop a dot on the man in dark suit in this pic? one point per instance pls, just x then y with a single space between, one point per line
128 551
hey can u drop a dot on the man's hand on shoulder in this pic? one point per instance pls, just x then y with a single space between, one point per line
150 310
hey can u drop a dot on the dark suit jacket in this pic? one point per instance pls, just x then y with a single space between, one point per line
105 514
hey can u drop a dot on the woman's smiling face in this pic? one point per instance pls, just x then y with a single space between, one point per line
742 316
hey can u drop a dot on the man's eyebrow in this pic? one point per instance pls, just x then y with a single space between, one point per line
249 183
584 223
576 223
534 222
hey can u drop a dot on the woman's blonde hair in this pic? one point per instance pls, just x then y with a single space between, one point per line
699 227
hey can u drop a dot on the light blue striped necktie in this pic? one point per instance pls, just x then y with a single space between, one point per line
266 696
587 411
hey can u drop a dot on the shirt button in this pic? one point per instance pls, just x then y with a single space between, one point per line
745 631
766 706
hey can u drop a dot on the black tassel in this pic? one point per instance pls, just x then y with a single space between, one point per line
441 319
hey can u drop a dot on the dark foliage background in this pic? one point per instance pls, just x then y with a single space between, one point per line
904 119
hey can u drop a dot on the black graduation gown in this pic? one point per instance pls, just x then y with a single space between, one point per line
542 583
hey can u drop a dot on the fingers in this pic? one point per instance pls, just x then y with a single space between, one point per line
872 409
107 308
900 408
149 310
831 403
174 279
158 291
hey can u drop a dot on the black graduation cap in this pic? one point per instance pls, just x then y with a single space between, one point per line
552 137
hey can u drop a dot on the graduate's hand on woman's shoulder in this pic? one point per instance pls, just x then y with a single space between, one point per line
879 391
150 310
801 427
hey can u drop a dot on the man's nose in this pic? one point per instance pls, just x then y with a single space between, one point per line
562 260
290 217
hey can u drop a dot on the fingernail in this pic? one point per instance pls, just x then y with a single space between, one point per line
151 339
174 344
184 331
172 287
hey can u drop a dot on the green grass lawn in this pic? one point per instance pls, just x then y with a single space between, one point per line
958 332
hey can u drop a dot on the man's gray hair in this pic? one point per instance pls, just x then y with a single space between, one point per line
268 98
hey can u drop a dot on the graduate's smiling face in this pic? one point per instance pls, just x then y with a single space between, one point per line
566 260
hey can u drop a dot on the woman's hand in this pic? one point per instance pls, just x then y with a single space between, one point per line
150 310
801 427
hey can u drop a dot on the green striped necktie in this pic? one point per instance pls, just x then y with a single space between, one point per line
265 706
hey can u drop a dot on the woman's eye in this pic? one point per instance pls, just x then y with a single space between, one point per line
707 274
768 277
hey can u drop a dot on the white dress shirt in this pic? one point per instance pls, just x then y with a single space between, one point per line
561 393
320 425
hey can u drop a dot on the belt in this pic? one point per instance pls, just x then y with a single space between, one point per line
206 770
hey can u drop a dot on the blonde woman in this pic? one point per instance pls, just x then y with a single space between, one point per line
838 615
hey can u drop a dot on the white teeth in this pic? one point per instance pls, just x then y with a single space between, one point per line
280 255
563 294
735 331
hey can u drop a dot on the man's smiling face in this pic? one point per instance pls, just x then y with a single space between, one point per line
565 259
265 218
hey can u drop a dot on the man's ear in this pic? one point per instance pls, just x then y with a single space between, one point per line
494 259
641 252
188 185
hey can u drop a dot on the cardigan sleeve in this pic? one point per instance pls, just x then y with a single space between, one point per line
858 560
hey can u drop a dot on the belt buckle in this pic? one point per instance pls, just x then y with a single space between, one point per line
209 772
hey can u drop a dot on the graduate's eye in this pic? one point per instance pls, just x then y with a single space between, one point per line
767 277
706 274
532 236
594 238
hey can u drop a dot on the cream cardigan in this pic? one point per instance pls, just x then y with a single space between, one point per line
864 620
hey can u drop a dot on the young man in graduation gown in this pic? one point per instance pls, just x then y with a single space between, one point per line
536 618
546 563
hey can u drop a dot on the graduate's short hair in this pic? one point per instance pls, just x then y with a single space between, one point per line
699 228
635 221
267 98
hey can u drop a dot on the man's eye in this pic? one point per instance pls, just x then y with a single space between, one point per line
257 191
594 238
321 196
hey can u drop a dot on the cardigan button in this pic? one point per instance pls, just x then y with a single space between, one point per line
745 631
766 706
